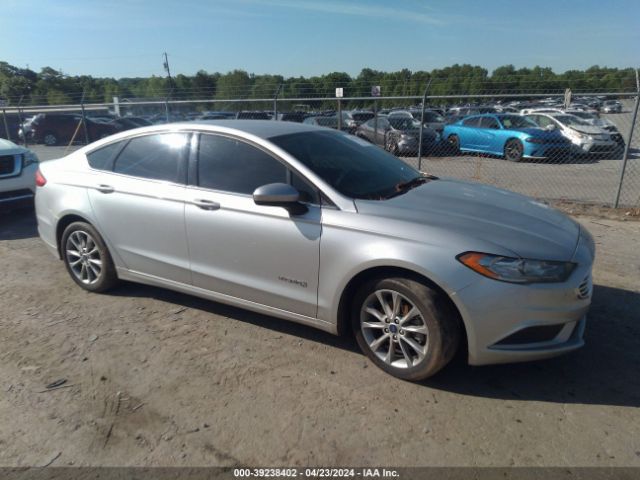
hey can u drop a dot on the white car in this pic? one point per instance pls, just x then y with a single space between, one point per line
18 167
587 139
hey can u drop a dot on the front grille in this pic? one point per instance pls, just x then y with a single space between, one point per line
584 289
7 165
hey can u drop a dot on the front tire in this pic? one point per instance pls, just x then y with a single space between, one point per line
405 327
87 258
513 150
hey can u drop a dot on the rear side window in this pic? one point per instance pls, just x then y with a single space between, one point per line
157 157
231 165
102 159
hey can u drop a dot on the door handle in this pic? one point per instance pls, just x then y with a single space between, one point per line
105 188
206 204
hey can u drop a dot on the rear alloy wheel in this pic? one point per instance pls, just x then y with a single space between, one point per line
87 259
50 139
454 143
405 327
513 150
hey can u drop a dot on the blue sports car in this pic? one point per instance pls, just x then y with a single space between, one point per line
511 136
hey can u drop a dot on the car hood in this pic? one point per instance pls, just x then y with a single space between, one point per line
10 148
523 226
590 129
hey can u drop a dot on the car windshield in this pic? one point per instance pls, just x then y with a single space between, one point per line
570 120
514 122
403 123
352 166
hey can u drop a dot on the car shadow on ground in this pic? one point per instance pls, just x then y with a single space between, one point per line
18 223
604 372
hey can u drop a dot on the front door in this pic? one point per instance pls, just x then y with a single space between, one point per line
257 253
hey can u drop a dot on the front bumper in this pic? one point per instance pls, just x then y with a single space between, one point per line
508 322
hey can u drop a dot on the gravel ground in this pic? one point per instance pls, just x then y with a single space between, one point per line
160 378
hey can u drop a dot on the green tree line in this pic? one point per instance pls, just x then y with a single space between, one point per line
53 87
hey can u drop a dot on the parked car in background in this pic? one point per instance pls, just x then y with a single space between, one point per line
398 135
12 129
18 166
325 121
432 119
216 116
354 118
293 116
587 139
59 128
611 106
252 115
513 137
319 227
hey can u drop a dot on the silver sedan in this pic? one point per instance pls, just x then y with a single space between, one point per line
322 228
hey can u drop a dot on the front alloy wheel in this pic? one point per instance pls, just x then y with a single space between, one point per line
394 329
405 327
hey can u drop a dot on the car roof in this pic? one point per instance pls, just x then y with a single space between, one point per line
260 128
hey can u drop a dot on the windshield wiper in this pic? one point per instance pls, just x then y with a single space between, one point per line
404 187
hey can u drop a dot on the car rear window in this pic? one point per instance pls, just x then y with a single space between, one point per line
102 159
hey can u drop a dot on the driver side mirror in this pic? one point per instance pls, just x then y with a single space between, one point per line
279 195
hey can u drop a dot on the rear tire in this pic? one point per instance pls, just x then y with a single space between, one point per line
87 258
50 139
405 327
454 143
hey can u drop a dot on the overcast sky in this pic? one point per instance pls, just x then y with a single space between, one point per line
126 38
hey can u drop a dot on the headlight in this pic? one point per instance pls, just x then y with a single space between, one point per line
29 159
516 270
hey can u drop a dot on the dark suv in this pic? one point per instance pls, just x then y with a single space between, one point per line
59 128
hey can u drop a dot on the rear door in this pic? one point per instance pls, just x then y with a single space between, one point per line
138 200
257 253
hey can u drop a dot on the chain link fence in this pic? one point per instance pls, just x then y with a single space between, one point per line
583 147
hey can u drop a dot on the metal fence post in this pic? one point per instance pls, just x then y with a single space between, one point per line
375 122
84 120
339 114
24 133
424 104
625 156
6 126
275 102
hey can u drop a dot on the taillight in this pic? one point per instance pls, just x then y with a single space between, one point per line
40 180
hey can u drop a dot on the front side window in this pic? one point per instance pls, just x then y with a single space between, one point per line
232 165
471 122
157 157
489 122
